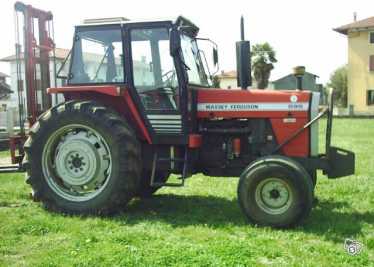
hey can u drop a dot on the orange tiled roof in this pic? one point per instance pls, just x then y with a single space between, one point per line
227 74
367 23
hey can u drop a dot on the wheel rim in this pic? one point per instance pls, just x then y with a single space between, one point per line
274 196
76 162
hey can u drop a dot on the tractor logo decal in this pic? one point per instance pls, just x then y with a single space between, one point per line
301 106
293 98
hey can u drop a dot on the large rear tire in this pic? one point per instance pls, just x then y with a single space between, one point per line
82 158
275 191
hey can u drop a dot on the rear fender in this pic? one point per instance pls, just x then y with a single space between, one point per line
118 98
102 89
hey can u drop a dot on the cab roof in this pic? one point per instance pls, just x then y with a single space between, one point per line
181 22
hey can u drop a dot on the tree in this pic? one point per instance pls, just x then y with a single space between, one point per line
263 57
216 81
4 91
339 82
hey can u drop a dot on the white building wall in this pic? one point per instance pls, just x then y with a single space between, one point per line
226 83
12 102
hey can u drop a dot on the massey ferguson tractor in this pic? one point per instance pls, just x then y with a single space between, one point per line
137 105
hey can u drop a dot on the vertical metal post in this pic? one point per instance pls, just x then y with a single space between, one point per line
299 82
299 72
45 80
10 122
36 53
243 60
241 28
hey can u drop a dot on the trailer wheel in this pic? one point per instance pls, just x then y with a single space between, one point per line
82 159
275 191
146 190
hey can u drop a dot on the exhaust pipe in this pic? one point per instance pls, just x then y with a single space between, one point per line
243 60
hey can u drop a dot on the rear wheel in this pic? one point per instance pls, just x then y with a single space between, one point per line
82 158
275 191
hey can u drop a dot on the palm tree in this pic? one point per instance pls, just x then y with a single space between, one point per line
263 57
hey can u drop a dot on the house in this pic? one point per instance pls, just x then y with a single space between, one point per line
228 79
60 55
5 93
289 82
360 35
309 82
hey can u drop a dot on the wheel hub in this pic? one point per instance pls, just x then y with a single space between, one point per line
79 164
273 195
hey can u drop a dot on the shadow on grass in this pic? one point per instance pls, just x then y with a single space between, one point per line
179 210
327 219
336 221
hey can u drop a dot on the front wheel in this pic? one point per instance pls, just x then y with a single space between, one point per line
275 191
82 158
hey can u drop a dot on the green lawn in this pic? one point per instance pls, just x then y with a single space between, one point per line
200 224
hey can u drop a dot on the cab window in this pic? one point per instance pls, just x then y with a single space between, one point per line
97 56
154 75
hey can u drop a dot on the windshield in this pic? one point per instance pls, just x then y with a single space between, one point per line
191 55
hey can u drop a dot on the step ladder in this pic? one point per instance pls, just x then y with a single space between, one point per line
11 168
183 160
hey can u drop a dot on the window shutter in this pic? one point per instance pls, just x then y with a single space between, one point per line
371 63
368 98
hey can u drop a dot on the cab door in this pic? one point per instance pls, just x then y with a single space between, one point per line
155 81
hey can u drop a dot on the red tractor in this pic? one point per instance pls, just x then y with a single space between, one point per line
138 106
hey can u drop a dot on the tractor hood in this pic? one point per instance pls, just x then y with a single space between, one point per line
254 103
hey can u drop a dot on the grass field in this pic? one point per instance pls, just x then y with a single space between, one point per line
198 225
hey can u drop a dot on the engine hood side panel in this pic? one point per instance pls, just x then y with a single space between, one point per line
255 103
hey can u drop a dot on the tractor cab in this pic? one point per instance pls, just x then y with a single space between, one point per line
156 61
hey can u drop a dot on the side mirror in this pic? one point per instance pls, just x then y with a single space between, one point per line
214 53
175 42
243 64
215 56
